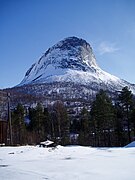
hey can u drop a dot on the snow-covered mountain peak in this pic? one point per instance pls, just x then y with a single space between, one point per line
77 48
72 60
69 54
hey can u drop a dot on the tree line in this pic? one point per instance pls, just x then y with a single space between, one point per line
33 125
106 123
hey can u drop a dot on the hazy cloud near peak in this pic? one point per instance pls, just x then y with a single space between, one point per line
107 47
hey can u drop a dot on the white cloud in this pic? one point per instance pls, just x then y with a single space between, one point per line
107 47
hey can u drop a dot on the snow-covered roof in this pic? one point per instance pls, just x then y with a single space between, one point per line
132 144
47 143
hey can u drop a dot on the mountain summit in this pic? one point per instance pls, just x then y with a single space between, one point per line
71 60
69 54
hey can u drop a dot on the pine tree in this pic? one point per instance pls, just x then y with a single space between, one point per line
47 124
102 115
126 101
119 133
61 122
84 133
37 123
133 118
19 128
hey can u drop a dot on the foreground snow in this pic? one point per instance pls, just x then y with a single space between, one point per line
67 163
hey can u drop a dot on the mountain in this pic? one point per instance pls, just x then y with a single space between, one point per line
72 61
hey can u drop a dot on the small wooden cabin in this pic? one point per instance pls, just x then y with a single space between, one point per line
47 144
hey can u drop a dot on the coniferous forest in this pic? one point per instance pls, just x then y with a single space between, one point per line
108 123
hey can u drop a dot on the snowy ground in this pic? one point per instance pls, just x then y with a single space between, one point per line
67 163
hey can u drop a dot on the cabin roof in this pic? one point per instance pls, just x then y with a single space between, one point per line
47 143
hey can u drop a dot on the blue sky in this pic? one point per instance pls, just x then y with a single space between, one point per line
29 27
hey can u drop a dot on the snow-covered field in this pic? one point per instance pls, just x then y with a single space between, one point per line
67 163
